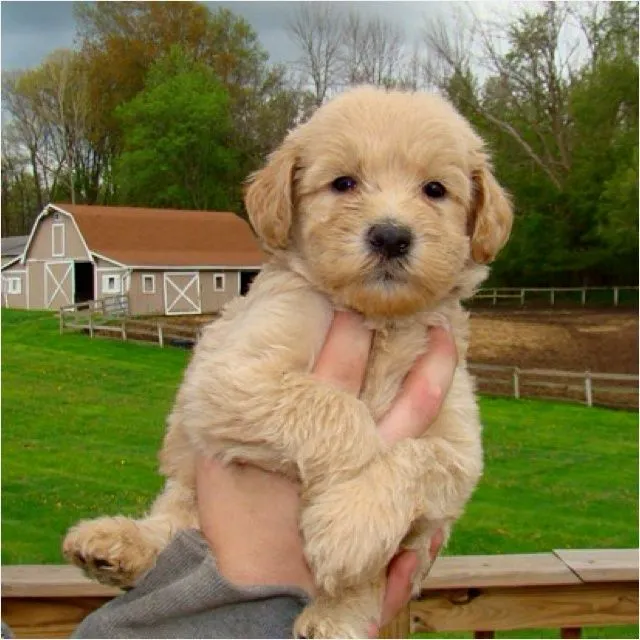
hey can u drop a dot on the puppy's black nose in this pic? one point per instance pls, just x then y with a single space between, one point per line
390 240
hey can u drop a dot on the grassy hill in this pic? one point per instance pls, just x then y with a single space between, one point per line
82 421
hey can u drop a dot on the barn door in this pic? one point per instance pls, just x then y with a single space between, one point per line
58 284
182 293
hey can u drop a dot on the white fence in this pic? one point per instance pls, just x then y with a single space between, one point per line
607 389
519 293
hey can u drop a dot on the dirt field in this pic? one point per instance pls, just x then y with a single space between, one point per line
571 340
566 340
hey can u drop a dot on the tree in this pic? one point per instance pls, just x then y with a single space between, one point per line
556 97
317 30
121 41
176 140
18 196
340 49
372 51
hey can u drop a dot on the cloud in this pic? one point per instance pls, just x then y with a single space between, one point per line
32 30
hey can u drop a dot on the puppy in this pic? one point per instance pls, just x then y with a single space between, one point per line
383 203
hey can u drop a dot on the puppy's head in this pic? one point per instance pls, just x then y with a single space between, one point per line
384 199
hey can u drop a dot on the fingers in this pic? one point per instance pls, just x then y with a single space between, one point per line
343 359
400 575
398 592
436 543
423 392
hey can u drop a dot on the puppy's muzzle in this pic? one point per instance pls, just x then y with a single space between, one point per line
389 240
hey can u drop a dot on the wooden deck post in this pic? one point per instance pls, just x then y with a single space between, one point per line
399 627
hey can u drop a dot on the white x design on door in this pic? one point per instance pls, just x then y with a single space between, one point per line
181 293
58 284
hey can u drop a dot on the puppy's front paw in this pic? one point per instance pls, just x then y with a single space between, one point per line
113 551
350 534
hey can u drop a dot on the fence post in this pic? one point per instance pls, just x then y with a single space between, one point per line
399 627
522 297
90 324
516 383
588 390
61 321
495 297
553 297
160 336
584 296
615 296
124 328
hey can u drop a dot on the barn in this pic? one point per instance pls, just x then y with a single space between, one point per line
167 261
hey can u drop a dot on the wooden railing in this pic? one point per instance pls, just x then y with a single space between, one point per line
590 388
160 331
564 589
520 293
93 312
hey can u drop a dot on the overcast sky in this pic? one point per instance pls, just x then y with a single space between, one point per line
31 30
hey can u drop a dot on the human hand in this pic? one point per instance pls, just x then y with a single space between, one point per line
399 579
245 510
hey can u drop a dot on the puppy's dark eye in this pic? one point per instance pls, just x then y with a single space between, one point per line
344 184
435 190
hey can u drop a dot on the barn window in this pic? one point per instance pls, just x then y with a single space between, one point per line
111 284
218 281
57 240
148 283
13 285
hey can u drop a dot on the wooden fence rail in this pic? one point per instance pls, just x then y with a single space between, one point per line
587 387
519 293
159 331
563 589
622 389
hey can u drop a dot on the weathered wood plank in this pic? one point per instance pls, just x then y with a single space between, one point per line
601 565
48 581
526 607
47 618
499 571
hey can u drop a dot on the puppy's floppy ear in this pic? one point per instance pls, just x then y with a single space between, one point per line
490 218
269 197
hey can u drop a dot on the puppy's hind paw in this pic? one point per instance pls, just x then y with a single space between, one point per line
113 551
319 622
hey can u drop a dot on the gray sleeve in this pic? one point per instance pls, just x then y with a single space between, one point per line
184 596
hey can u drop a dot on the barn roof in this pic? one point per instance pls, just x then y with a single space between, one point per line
13 245
167 237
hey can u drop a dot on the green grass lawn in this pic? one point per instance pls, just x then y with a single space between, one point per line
82 421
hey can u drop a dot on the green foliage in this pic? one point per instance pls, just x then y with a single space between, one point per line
563 131
177 134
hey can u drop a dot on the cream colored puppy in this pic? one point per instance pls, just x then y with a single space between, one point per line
383 202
